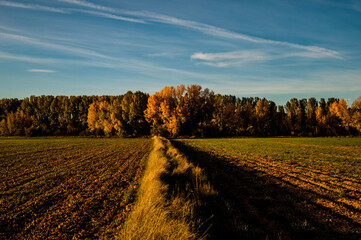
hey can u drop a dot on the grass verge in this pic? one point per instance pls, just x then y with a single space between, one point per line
172 199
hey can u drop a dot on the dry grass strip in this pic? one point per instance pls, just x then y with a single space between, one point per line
171 197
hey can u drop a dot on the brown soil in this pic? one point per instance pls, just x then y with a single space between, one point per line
267 199
84 195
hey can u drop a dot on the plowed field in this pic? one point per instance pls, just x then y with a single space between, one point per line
68 188
286 188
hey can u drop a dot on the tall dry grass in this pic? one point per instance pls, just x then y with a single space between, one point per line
171 198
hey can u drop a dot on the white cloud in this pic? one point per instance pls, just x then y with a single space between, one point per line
15 37
68 11
317 52
163 54
223 33
228 59
61 62
33 7
209 29
231 58
309 54
137 66
68 49
238 58
89 5
41 70
24 58
110 16
98 63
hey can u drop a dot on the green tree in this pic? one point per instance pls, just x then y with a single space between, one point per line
311 116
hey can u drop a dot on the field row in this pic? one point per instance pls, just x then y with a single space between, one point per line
275 188
68 188
317 180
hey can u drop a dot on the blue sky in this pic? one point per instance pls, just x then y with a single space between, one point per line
275 49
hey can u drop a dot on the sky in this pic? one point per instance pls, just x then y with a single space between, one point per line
277 49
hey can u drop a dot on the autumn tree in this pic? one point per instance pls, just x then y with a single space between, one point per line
167 111
340 117
356 115
99 118
175 111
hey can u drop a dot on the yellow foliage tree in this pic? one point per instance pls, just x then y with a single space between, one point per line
99 118
166 110
340 110
356 114
92 117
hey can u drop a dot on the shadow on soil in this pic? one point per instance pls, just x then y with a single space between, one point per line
253 205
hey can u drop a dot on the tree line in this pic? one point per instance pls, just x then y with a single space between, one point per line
177 111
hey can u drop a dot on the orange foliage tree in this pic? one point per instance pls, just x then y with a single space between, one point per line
356 114
167 111
339 109
100 118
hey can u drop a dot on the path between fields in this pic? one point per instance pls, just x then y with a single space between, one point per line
263 206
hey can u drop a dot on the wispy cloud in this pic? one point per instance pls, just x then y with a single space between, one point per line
9 29
15 37
145 16
227 59
68 11
89 5
44 44
163 54
24 58
207 29
238 58
138 67
98 63
135 65
102 11
110 16
41 70
308 54
224 33
33 7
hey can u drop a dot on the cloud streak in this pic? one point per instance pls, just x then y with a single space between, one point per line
69 11
24 58
68 49
238 58
208 29
228 59
32 7
137 66
62 62
41 70
145 17
88 5
110 16
223 33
